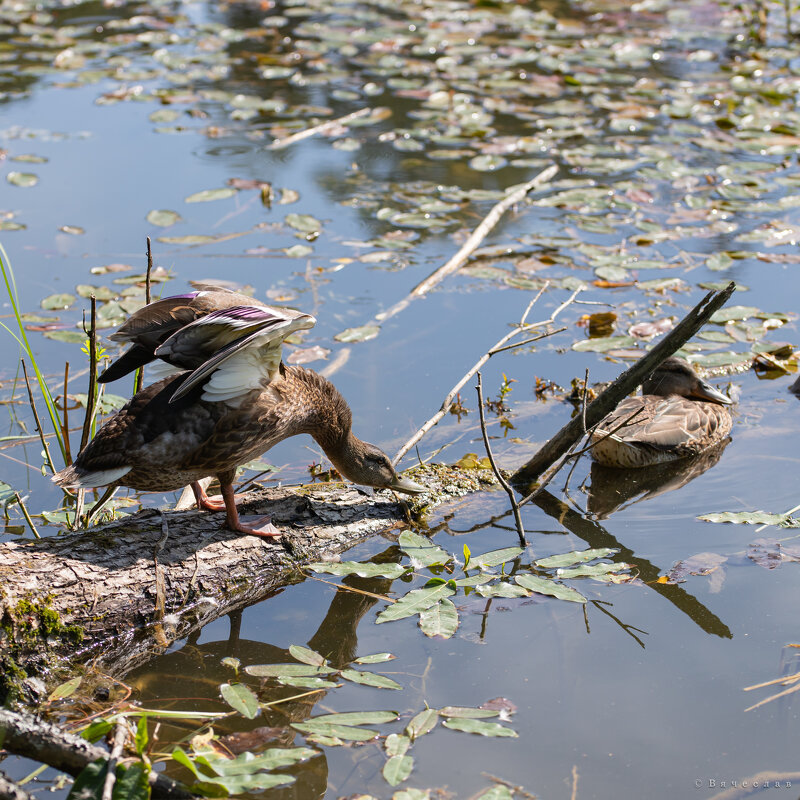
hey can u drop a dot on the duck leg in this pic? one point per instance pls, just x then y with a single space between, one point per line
263 526
227 503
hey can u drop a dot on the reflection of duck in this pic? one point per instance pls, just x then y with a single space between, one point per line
670 420
613 488
237 401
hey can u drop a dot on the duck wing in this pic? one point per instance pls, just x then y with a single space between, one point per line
240 346
150 326
666 423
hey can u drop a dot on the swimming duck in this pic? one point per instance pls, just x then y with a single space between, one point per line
677 415
234 402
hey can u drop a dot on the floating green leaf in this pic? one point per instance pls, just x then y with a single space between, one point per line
415 601
421 550
549 587
375 658
603 345
439 620
357 718
362 333
747 517
479 727
397 769
422 723
289 670
163 217
363 569
22 179
306 683
303 222
502 589
349 733
306 655
240 698
369 679
58 301
575 557
210 194
495 557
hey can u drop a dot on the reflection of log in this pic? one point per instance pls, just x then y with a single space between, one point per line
134 586
595 535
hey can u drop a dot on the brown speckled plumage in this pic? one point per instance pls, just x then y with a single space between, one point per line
235 403
671 420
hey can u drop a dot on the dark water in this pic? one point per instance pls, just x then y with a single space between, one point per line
641 693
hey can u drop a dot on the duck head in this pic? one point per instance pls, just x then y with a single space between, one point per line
675 376
367 465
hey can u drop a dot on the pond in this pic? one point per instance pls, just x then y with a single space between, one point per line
675 131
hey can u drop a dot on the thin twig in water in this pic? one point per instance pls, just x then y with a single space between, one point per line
120 733
522 327
26 515
279 144
499 475
513 197
497 350
574 795
39 430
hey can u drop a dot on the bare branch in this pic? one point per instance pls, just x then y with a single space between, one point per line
279 144
523 327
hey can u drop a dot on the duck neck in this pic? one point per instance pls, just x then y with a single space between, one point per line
329 418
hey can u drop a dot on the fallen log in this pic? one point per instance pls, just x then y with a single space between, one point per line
119 593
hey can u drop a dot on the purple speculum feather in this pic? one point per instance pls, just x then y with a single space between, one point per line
187 296
242 314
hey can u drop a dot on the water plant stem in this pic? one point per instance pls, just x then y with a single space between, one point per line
137 385
27 516
39 430
65 416
91 334
120 734
499 475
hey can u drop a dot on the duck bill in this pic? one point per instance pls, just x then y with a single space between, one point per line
406 485
705 391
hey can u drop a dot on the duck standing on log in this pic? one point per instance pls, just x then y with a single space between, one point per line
678 415
232 402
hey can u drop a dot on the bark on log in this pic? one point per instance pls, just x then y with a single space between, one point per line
116 594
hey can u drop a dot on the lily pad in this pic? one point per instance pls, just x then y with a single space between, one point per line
163 218
22 179
207 195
